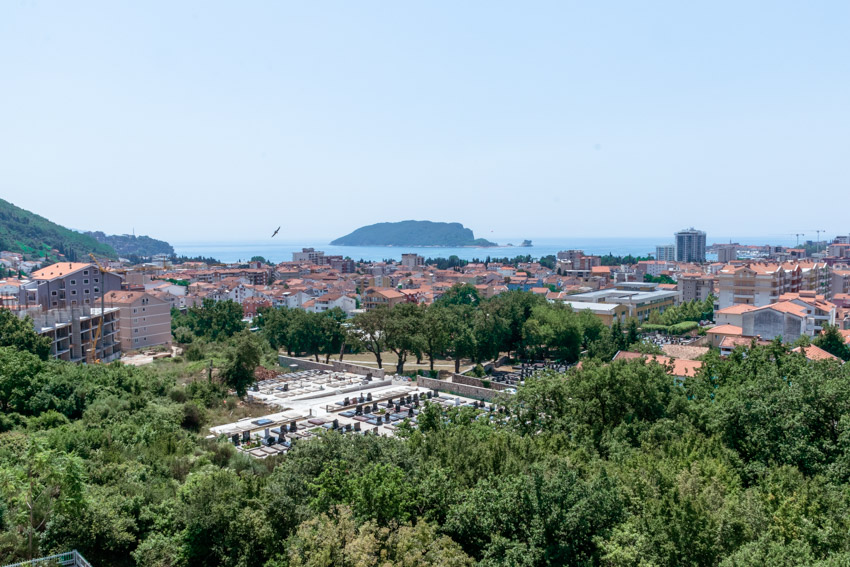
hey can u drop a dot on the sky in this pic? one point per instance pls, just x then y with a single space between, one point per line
211 121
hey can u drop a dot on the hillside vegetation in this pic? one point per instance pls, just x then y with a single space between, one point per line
130 244
412 233
746 464
35 236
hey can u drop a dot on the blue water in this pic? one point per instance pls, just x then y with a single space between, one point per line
281 250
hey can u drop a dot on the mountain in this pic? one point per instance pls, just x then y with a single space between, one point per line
412 233
130 244
35 236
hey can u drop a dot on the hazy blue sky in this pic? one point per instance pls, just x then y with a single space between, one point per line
216 120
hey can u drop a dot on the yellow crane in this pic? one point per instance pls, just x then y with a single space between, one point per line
92 357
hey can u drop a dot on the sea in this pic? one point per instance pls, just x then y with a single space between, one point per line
277 251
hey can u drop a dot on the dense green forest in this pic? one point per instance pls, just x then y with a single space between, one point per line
27 233
412 233
612 464
130 244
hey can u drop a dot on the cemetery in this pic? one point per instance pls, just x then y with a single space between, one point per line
312 401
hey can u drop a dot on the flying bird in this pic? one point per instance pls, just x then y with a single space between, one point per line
275 232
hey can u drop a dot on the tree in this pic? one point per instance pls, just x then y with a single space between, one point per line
19 333
18 379
460 294
433 331
401 330
370 331
216 319
832 341
242 359
461 341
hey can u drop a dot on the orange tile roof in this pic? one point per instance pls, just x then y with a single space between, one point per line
725 330
681 367
813 352
59 270
787 307
737 309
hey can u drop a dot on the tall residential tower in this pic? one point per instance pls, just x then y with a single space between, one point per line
690 245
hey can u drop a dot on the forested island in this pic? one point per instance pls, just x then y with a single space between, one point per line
413 233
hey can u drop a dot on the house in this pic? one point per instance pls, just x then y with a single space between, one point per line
145 319
717 334
815 353
375 297
678 368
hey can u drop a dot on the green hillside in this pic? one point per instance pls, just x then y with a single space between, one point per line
412 233
130 244
35 236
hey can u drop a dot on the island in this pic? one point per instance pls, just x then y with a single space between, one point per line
413 233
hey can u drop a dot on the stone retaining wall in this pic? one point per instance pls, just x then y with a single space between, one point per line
334 366
458 389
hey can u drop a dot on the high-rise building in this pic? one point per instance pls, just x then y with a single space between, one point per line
727 253
690 245
665 252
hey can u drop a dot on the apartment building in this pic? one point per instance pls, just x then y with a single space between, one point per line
693 286
412 261
73 332
145 319
375 297
67 284
665 252
761 283
309 255
690 245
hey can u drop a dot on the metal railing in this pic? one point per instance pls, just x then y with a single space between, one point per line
67 559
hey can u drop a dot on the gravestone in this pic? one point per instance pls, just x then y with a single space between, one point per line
356 426
369 397
246 436
235 439
292 427
336 424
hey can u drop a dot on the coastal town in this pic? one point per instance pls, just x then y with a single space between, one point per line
759 292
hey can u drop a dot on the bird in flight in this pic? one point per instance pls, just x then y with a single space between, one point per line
275 232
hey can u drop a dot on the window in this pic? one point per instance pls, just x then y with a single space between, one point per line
54 304
85 282
73 292
85 272
85 291
52 293
96 280
96 290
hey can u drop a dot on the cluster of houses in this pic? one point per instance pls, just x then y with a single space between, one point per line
785 295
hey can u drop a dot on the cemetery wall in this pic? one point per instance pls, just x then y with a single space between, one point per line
478 382
457 389
334 366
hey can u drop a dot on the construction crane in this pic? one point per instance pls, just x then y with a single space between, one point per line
798 235
818 231
92 357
